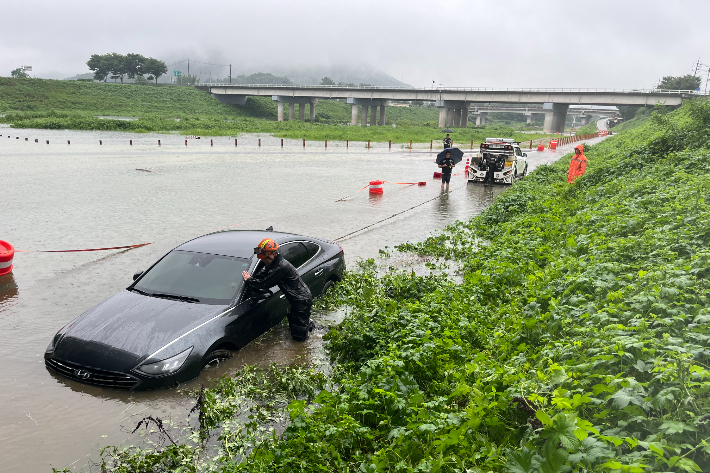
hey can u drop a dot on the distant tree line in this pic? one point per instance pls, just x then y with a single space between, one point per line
131 65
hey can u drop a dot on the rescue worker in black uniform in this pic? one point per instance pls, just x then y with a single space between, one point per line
276 270
448 142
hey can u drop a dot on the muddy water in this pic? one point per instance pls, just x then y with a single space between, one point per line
86 195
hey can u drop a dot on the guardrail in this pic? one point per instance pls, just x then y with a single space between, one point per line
460 89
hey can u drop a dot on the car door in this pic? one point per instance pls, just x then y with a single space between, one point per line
305 256
519 161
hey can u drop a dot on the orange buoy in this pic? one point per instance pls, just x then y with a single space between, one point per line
437 175
376 187
422 183
7 253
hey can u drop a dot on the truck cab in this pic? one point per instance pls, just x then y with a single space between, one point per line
498 161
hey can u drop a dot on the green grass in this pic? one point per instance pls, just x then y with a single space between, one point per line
51 104
588 129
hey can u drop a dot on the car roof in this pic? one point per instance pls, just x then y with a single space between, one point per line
237 243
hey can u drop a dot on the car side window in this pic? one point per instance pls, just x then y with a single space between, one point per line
311 249
295 253
518 152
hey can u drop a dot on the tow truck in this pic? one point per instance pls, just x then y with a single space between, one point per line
498 161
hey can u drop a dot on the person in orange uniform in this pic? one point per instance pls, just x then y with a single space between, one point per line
578 164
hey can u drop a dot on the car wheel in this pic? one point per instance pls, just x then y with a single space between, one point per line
216 356
327 286
525 171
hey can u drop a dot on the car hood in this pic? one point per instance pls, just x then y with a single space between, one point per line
121 331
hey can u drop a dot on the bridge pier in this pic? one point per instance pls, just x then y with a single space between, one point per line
292 101
481 118
312 111
555 117
451 113
280 113
584 119
372 104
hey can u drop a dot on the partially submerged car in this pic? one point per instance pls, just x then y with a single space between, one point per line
188 309
499 161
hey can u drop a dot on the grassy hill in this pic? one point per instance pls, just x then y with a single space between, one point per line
53 104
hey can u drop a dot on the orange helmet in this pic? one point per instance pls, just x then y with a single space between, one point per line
266 246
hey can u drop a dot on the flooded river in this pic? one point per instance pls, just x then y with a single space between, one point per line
85 195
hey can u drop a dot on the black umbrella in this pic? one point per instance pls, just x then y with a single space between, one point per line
446 130
456 155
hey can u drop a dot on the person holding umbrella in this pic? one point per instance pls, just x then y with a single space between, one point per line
446 160
448 142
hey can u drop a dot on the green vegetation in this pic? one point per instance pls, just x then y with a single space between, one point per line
686 82
587 129
19 73
76 105
131 65
577 340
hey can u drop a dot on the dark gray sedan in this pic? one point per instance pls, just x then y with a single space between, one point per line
187 310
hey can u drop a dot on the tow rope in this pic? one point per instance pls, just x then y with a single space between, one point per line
87 249
399 213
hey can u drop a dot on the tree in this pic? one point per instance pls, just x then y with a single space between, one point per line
98 64
133 65
116 64
686 82
327 81
19 73
154 67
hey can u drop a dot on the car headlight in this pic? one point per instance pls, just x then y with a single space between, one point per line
166 366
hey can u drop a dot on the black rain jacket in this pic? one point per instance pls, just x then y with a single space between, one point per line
283 274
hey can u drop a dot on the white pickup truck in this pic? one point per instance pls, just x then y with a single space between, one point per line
498 161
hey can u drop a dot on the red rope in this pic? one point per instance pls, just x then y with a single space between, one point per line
88 249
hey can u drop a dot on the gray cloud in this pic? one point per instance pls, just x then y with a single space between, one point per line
509 43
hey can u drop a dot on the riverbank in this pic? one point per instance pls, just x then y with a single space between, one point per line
71 105
577 338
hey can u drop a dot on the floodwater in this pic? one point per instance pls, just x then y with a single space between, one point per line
85 195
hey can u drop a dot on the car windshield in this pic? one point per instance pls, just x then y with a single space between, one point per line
195 277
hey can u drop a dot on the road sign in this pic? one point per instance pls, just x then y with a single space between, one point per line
27 68
176 73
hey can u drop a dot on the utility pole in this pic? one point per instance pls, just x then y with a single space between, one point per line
188 68
697 66
230 74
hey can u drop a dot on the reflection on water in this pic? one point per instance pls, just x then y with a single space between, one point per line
87 195
8 290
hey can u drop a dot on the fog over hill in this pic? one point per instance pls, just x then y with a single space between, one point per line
206 70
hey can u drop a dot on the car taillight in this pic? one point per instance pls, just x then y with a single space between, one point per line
342 251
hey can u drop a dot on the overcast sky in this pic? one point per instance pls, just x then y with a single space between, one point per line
504 43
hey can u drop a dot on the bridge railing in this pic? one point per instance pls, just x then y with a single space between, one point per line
461 89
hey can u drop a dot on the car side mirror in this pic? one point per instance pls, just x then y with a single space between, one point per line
525 155
137 274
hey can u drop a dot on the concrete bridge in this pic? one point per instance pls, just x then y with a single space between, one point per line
451 101
584 113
